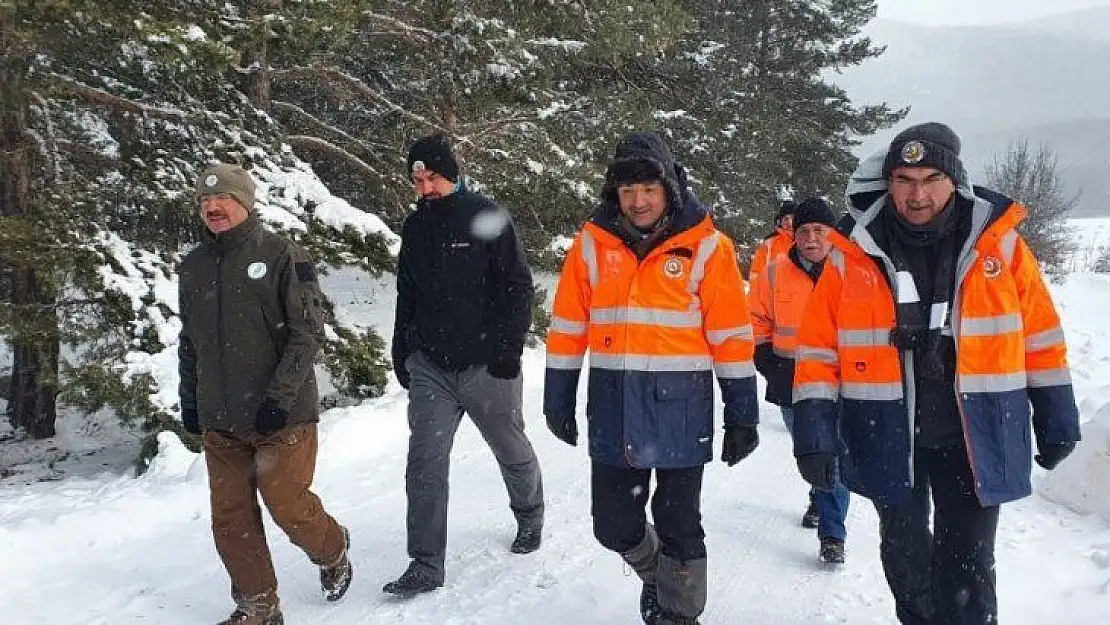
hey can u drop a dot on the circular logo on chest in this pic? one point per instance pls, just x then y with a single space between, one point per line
992 267
673 268
256 271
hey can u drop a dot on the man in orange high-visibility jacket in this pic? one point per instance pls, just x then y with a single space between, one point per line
777 309
934 330
654 292
773 245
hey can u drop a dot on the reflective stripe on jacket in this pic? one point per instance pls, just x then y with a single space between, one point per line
1010 355
656 331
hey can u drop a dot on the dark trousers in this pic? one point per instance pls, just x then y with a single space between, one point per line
619 509
943 577
832 505
437 401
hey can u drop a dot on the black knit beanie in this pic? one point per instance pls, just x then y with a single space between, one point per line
926 145
814 210
434 153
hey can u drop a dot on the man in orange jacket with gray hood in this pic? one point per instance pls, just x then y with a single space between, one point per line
934 330
653 291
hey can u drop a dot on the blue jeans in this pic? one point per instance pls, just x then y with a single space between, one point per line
832 505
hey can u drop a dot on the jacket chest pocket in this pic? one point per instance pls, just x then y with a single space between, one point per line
463 263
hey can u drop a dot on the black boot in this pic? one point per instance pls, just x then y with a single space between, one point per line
411 583
832 550
527 539
644 559
811 519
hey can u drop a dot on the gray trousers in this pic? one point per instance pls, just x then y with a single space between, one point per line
437 401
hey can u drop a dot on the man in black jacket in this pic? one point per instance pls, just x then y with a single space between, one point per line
464 305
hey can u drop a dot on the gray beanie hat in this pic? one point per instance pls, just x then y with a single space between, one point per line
230 179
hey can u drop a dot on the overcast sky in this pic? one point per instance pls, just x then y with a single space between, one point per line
953 12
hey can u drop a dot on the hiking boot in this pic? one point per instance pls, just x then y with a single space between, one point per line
335 578
239 617
832 551
411 583
262 609
810 519
527 539
682 590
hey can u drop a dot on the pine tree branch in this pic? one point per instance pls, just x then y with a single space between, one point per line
319 124
338 79
415 33
100 97
316 143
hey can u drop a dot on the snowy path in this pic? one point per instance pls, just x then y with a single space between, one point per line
120 551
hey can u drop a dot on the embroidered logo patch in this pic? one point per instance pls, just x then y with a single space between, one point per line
992 267
212 180
418 166
256 271
913 152
673 268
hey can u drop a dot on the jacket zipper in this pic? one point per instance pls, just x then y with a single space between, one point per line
220 335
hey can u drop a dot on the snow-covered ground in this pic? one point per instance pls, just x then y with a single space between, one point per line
105 548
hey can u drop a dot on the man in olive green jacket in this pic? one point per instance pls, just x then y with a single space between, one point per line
252 323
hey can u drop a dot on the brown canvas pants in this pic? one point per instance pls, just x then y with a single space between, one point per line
280 467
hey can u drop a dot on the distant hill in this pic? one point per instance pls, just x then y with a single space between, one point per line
1044 79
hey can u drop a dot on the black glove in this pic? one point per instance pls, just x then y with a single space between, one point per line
271 417
1053 455
740 441
190 420
504 367
565 430
818 469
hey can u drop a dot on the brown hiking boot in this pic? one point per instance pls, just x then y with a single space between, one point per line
335 578
262 609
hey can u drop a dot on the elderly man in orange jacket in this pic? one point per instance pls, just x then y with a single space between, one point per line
934 331
778 304
653 291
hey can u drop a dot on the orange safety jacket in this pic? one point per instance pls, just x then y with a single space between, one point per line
656 331
776 244
778 304
1010 353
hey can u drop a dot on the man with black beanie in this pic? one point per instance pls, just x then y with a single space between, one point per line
652 290
933 268
464 306
778 305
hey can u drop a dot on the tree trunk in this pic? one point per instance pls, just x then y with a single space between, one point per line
35 338
256 57
33 404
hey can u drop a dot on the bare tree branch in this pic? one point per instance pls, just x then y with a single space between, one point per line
338 79
103 98
320 145
416 33
319 124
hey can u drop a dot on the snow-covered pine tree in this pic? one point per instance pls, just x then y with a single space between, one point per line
748 101
121 104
